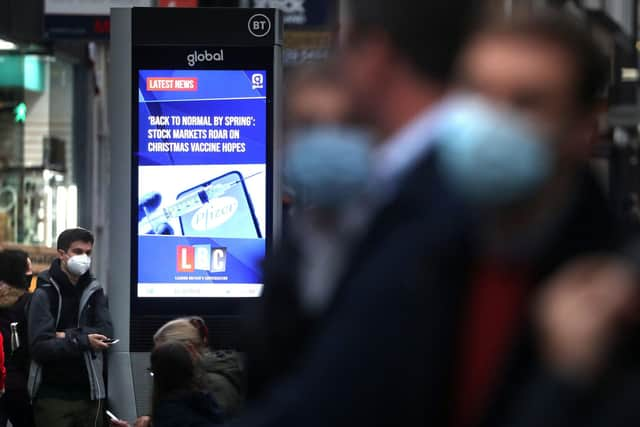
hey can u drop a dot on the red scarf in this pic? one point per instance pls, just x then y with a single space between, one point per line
494 316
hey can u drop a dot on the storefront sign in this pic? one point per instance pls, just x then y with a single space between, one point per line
300 13
82 19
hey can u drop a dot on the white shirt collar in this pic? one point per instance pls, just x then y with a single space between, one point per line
396 155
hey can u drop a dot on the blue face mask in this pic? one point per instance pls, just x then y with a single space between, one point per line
327 166
489 156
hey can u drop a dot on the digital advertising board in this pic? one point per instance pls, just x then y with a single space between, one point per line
202 181
202 160
194 191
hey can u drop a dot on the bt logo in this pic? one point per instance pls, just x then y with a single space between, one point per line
201 257
195 57
259 25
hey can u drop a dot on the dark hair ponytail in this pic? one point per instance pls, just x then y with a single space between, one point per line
174 372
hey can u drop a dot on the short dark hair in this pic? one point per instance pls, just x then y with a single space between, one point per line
67 237
429 34
557 28
13 267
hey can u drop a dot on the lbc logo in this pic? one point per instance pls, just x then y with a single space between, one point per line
201 257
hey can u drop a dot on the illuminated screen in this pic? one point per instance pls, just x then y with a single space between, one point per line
201 182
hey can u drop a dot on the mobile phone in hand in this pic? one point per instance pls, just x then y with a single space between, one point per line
111 341
111 415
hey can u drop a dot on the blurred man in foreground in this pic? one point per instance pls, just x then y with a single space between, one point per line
515 369
316 103
367 360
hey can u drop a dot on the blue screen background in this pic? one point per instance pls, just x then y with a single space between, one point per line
220 93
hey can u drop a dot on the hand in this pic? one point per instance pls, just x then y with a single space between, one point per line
120 423
60 335
96 341
143 422
148 204
581 312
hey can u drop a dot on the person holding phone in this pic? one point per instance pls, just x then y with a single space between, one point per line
222 372
180 397
68 326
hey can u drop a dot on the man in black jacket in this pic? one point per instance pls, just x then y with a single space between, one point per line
362 359
408 332
514 368
68 324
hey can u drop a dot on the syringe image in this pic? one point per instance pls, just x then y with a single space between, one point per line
156 219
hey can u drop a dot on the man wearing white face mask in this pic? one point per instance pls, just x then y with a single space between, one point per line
69 324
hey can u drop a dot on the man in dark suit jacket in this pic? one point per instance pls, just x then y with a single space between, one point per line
361 360
513 370
408 249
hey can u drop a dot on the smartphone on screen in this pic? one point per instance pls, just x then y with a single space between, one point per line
230 214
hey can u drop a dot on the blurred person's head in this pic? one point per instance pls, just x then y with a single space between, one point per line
174 372
549 69
15 268
192 332
546 72
315 96
15 276
398 56
315 101
327 157
74 251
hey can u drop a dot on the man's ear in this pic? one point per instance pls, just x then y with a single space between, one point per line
61 253
583 139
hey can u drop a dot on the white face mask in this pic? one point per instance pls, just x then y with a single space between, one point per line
79 264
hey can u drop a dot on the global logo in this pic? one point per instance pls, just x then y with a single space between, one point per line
214 213
206 56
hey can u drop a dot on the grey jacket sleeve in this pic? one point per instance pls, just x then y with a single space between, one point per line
100 318
44 346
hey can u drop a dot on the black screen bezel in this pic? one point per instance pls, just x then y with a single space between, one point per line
149 57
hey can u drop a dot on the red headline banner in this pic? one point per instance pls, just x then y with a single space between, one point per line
172 84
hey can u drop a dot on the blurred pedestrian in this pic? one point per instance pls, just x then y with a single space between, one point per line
318 115
179 397
549 74
223 370
315 98
15 279
366 359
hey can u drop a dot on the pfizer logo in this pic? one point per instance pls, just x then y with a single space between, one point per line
214 213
